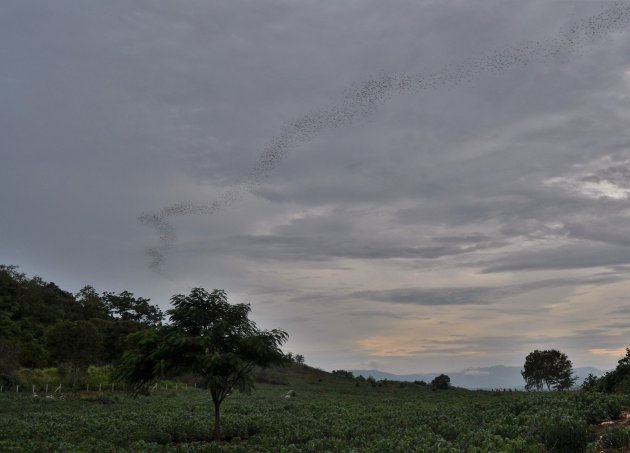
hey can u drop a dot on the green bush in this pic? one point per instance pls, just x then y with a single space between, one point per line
99 375
563 433
599 407
615 438
26 377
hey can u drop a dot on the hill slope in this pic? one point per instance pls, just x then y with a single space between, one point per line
494 377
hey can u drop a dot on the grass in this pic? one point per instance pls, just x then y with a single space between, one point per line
327 414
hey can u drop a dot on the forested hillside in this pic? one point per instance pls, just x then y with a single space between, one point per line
42 325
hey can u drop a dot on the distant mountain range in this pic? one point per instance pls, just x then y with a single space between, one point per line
494 377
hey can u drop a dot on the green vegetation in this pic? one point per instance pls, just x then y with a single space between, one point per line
326 413
441 382
209 338
550 368
190 368
615 381
44 326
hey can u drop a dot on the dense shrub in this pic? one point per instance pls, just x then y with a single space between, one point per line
563 433
441 382
100 375
615 438
598 408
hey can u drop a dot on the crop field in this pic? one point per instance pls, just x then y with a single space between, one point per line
327 414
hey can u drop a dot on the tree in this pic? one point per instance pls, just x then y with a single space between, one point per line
92 306
441 382
8 361
343 374
550 367
126 307
618 380
206 336
592 383
75 342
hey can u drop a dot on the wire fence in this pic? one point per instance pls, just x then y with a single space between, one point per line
47 389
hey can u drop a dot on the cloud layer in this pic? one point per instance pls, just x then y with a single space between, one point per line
428 185
366 97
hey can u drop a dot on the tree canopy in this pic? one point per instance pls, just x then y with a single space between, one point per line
615 381
36 316
206 336
550 368
441 382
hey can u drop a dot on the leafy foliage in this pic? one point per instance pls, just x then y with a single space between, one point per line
617 437
615 381
332 415
343 373
441 382
209 337
42 325
75 342
563 433
127 307
618 380
550 368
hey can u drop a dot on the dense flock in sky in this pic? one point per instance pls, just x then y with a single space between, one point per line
363 99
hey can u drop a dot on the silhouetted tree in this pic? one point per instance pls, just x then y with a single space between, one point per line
618 380
441 382
592 383
343 373
550 367
209 337
127 307
92 306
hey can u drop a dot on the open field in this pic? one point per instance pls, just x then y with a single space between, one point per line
327 414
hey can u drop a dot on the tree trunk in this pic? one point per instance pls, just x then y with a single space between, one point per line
217 421
74 376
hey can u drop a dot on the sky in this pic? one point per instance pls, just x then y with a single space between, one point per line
411 186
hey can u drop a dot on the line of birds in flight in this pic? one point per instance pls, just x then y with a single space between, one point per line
364 98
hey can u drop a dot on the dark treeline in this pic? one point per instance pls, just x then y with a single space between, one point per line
42 325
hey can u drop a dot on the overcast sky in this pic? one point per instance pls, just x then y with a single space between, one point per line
464 208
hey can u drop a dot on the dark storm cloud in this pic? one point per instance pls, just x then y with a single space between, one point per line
618 325
439 297
625 311
473 295
578 256
384 314
294 247
366 97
